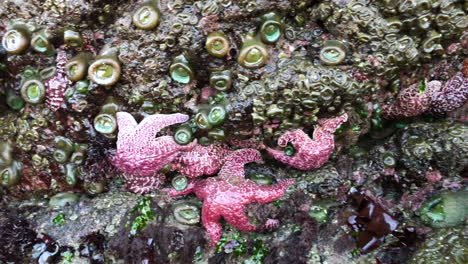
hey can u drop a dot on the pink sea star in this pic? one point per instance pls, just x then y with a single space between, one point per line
310 154
227 194
201 160
453 95
411 101
59 83
140 154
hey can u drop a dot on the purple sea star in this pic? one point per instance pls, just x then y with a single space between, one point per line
201 160
59 83
140 154
453 95
227 194
310 154
411 101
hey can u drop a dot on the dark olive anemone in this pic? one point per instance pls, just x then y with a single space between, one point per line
179 182
389 160
40 42
16 40
333 52
289 150
79 154
73 38
187 213
146 16
201 120
6 157
95 187
261 178
11 175
183 135
445 210
33 91
181 70
13 100
217 134
221 80
72 174
217 44
253 53
105 70
106 122
77 67
63 199
271 28
63 149
217 115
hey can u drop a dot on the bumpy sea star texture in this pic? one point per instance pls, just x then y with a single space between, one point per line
59 83
310 154
411 101
140 154
450 97
201 160
227 194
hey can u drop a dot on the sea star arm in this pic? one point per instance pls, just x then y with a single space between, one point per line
234 163
210 220
237 217
280 156
144 184
127 125
293 137
266 194
152 124
329 125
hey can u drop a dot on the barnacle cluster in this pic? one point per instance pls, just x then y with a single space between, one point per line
400 34
440 145
443 246
302 93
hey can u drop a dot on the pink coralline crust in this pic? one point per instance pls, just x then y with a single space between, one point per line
310 154
433 176
227 194
450 97
411 101
140 154
59 83
201 160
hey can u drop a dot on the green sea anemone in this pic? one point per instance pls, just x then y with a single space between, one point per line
146 16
